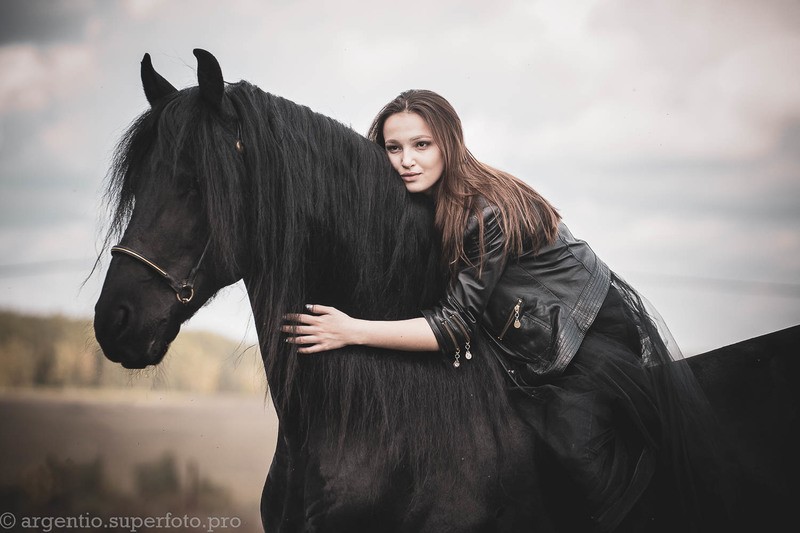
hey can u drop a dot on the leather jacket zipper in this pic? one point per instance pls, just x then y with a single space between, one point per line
467 353
457 354
513 318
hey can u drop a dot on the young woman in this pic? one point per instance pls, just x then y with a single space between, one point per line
565 328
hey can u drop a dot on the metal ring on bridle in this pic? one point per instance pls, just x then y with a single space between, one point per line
184 290
180 295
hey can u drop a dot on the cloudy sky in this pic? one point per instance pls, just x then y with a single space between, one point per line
666 132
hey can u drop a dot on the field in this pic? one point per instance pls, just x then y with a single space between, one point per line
173 447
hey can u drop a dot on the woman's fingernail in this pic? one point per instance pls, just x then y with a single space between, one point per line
309 307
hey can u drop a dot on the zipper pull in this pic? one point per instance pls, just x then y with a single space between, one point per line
457 363
517 323
467 354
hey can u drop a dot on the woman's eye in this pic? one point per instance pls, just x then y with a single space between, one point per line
423 144
392 149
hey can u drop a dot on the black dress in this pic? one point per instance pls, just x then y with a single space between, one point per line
625 407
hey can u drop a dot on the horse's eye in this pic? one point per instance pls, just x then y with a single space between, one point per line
193 186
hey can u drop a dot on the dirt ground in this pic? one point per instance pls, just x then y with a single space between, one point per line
228 439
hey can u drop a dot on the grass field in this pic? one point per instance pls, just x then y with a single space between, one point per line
142 442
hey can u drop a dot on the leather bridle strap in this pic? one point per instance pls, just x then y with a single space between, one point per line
184 289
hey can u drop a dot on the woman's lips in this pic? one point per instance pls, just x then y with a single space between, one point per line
409 176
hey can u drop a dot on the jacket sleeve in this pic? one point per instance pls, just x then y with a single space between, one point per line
455 318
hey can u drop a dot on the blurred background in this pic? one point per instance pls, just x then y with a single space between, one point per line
667 133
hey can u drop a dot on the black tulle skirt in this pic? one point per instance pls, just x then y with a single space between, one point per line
626 407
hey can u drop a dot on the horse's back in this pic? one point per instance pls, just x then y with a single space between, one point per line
752 387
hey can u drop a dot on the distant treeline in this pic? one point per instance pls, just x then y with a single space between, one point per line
56 351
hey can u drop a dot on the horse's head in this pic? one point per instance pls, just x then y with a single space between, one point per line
173 255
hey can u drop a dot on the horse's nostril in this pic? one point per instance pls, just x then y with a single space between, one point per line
120 319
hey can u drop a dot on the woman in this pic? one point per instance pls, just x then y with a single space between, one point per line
568 332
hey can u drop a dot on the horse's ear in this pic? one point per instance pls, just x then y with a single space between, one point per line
155 86
209 78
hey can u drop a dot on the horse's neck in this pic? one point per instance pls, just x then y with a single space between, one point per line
346 232
355 227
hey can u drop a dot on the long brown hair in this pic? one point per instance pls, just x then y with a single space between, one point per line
525 216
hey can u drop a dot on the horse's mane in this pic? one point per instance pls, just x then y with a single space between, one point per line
320 217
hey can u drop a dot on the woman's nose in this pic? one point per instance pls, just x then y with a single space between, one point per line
407 162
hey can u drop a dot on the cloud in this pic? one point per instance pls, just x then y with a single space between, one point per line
67 140
34 78
45 21
647 80
142 9
704 79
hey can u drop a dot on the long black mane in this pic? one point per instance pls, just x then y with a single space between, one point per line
312 212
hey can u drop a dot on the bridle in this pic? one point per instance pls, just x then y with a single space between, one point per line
184 289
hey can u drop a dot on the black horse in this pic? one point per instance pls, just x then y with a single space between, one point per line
218 183
752 386
215 183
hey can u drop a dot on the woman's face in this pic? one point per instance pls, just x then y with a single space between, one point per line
412 151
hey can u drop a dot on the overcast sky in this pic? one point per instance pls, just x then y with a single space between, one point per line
666 132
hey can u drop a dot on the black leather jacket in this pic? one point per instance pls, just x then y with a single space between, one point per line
536 308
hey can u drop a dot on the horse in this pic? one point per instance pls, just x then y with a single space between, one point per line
752 387
220 182
217 183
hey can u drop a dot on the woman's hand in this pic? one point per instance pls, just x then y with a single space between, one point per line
326 328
